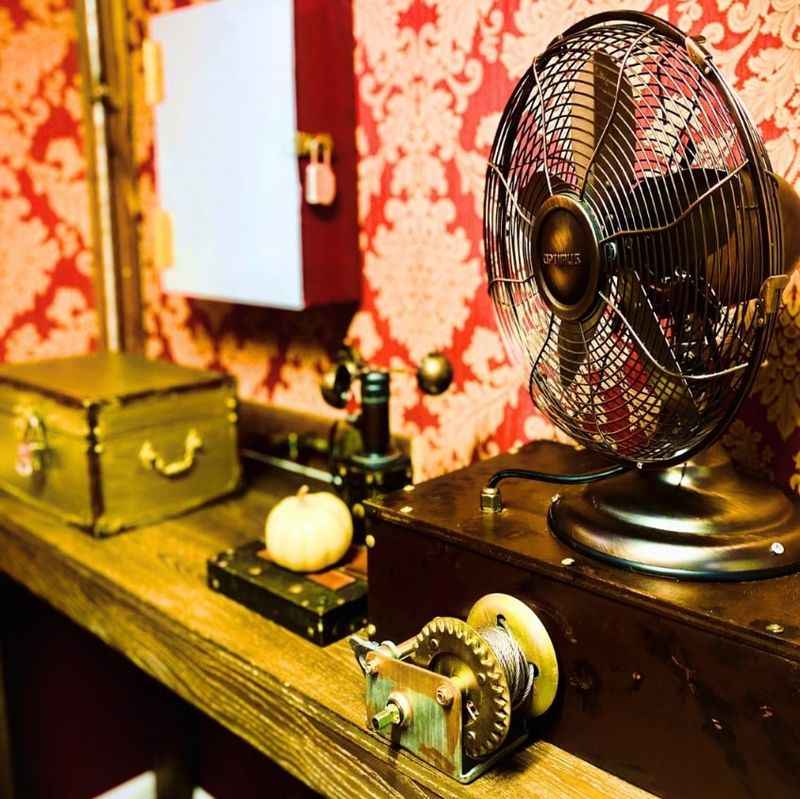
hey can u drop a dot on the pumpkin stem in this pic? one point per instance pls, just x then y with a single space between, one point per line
302 491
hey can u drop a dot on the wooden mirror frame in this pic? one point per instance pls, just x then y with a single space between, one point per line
107 79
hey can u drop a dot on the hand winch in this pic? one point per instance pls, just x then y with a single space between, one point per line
459 694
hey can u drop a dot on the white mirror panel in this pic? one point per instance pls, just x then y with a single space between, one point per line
225 161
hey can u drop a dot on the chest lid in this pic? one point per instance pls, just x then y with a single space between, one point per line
105 378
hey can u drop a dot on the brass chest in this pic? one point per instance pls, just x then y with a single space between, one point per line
111 441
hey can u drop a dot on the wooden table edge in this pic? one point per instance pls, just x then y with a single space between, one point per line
347 759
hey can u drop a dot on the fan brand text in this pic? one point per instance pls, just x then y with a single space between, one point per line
562 258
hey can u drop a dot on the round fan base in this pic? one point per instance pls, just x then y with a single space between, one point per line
700 520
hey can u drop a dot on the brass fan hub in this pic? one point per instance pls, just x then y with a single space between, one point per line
566 256
454 648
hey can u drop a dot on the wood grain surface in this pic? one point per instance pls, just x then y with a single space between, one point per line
144 594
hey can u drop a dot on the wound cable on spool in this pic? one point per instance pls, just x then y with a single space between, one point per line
519 672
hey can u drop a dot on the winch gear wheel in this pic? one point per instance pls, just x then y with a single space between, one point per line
453 648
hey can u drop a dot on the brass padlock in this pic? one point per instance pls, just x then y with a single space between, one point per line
320 180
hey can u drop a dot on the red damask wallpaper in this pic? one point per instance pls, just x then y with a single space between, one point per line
46 298
432 77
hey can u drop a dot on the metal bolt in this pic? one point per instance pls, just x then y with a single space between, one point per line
371 630
390 716
369 540
775 628
567 561
444 695
358 511
776 548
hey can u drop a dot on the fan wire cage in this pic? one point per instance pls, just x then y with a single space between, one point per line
620 115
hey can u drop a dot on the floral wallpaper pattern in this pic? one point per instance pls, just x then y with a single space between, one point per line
46 296
432 77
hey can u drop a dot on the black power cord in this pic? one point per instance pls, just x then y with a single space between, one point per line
560 479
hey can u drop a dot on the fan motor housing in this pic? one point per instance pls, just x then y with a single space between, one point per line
566 256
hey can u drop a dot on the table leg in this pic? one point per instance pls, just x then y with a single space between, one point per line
175 762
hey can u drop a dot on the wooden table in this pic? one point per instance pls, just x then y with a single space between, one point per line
144 594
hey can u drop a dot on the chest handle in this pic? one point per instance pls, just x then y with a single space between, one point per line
150 459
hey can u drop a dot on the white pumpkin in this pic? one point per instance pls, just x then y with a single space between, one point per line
308 532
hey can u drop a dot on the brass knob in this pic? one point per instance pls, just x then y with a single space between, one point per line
435 373
337 381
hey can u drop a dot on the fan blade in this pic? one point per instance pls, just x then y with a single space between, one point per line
574 340
534 192
691 217
673 391
668 197
600 102
571 352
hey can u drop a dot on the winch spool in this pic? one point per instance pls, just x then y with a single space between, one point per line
503 661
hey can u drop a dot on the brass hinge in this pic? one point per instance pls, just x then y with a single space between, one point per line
153 69
163 252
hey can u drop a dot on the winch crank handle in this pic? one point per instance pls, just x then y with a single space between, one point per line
150 459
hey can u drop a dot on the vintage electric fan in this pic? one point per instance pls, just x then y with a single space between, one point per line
637 244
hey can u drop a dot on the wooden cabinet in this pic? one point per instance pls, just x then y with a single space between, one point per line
240 78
